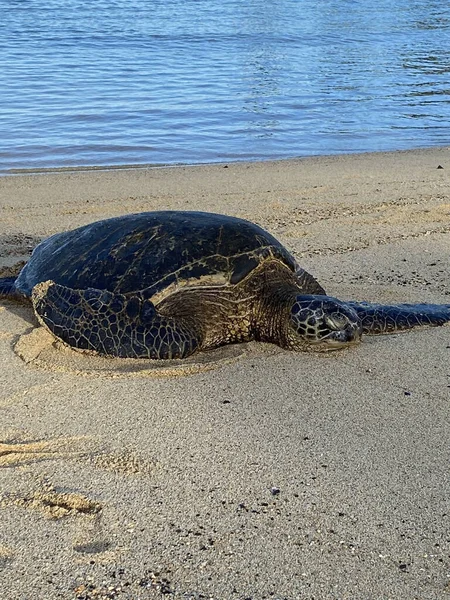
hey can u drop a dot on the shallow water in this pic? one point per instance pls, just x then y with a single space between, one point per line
186 81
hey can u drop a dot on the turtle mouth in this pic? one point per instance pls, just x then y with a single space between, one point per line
331 345
337 339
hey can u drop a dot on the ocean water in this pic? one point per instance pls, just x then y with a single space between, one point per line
188 81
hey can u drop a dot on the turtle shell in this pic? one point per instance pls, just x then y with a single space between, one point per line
152 251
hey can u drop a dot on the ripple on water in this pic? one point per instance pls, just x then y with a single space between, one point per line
185 81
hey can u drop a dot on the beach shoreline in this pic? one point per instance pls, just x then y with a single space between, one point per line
259 473
218 163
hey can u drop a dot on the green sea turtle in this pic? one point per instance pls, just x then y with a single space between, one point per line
167 284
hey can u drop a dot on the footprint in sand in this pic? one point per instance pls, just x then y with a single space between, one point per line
90 535
94 536
92 532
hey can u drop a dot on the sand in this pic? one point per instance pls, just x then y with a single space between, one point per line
251 472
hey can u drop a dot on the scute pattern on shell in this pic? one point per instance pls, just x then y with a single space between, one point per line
148 252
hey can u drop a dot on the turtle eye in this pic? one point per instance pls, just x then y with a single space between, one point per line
335 321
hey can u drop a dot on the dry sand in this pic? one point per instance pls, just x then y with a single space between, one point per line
251 472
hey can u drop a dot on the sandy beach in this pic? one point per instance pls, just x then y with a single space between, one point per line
250 472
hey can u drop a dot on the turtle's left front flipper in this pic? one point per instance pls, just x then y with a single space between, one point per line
378 318
111 324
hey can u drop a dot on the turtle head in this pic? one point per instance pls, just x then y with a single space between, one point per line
322 323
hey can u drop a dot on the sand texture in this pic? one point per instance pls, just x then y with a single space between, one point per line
249 472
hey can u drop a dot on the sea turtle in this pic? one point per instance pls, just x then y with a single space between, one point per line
167 284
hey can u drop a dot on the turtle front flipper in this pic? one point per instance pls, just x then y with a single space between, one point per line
111 324
378 318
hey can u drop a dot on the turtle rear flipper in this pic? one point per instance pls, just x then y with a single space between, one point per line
8 290
7 287
8 279
111 324
378 318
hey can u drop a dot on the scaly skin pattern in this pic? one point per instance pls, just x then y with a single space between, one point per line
131 326
323 323
111 324
378 318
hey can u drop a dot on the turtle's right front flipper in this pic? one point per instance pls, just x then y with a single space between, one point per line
378 318
111 324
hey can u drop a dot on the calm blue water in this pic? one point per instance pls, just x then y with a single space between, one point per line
184 81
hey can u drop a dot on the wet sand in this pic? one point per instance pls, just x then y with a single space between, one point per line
249 472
